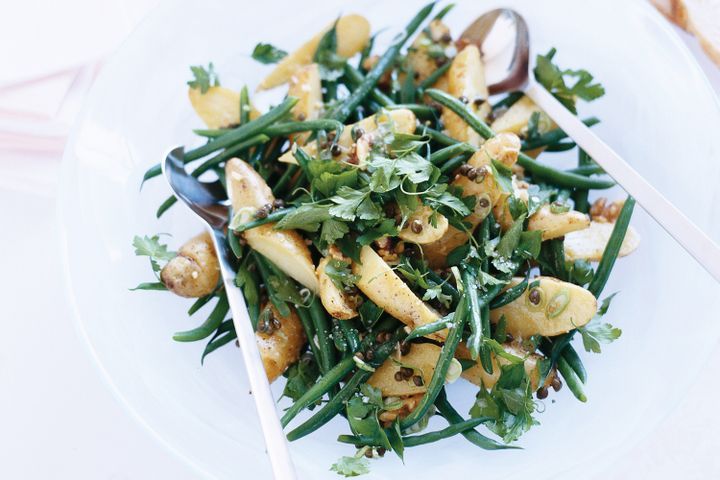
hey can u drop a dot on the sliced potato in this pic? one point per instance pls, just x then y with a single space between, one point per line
403 121
219 107
285 248
466 79
195 271
353 33
423 62
555 225
504 148
335 301
281 348
478 376
550 308
516 118
426 232
589 243
305 86
422 358
381 285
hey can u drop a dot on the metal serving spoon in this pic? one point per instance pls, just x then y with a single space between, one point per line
502 35
209 202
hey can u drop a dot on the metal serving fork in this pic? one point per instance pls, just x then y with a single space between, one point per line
209 201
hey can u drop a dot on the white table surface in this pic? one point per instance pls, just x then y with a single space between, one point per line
58 418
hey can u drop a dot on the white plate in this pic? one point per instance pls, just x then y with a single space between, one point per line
659 112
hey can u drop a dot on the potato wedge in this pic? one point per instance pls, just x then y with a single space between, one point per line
466 79
550 308
305 86
219 107
516 118
589 243
504 148
353 33
403 121
335 301
426 233
285 248
555 225
382 285
281 348
478 376
195 271
420 58
422 358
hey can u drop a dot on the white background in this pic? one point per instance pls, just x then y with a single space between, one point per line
58 419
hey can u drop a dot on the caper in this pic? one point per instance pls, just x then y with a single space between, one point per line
557 304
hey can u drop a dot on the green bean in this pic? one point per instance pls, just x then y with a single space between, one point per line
337 403
274 216
437 136
303 159
433 77
473 436
282 129
243 132
218 341
208 326
165 206
553 136
554 254
355 78
445 10
234 243
571 379
428 329
443 364
286 128
320 388
580 196
587 170
452 164
511 294
421 111
306 322
245 106
151 172
612 249
560 147
322 333
284 180
348 104
416 440
229 153
485 354
264 268
351 334
201 302
510 100
561 178
475 340
440 156
461 110
573 359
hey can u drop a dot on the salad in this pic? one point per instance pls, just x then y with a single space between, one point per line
395 233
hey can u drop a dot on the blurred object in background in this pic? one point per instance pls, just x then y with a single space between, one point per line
699 17
56 52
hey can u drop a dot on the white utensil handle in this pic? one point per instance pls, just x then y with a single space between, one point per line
275 440
687 234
